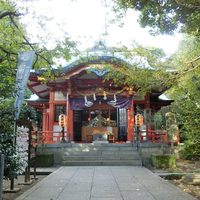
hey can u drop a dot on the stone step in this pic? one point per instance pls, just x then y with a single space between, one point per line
79 158
100 144
131 153
82 153
100 149
101 154
103 163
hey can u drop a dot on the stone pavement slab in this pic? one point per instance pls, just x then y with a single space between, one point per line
104 183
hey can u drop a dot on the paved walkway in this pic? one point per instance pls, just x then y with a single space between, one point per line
104 183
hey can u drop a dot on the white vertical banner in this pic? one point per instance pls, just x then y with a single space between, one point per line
25 60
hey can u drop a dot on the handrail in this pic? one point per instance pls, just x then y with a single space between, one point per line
50 137
152 136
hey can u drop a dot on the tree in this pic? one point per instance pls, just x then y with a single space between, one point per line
29 112
13 39
164 17
12 164
187 94
147 72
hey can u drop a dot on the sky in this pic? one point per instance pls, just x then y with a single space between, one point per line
85 21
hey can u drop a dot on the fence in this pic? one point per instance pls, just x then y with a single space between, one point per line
52 137
153 136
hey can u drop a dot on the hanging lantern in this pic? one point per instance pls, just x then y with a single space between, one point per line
139 120
62 120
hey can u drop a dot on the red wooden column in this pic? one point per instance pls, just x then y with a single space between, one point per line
148 127
130 122
147 101
70 124
44 119
51 109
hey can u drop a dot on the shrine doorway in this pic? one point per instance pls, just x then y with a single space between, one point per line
100 118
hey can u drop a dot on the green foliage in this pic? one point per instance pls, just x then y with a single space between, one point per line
154 55
183 79
186 92
30 113
141 73
12 164
174 176
163 161
159 121
164 17
13 39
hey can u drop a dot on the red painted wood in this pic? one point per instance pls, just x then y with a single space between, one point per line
44 120
147 101
70 124
130 122
51 110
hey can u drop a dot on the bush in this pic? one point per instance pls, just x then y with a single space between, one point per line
174 176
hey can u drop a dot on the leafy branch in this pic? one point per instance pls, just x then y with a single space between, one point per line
191 63
11 13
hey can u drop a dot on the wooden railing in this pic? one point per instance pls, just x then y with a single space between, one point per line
158 136
154 136
50 137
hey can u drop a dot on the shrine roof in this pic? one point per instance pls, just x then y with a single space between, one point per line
38 100
100 46
97 54
107 57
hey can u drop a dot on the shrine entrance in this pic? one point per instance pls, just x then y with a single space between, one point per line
100 118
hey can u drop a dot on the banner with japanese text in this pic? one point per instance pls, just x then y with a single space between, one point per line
25 60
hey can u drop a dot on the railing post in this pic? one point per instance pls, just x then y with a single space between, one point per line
69 137
1 174
153 136
138 137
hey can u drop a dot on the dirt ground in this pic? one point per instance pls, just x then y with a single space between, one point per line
188 166
185 166
23 188
182 166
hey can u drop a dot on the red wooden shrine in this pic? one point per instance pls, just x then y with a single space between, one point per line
105 108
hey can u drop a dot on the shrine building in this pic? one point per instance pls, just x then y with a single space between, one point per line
91 104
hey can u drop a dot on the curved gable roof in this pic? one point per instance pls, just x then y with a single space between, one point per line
104 57
98 54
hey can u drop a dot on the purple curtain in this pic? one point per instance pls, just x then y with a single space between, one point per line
79 104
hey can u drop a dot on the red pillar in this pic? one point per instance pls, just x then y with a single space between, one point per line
148 127
44 119
130 122
51 110
70 124
147 101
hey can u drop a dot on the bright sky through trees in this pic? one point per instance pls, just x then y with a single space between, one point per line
85 21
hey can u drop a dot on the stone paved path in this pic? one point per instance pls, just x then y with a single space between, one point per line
104 183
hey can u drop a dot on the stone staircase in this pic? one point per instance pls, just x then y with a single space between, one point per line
101 154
